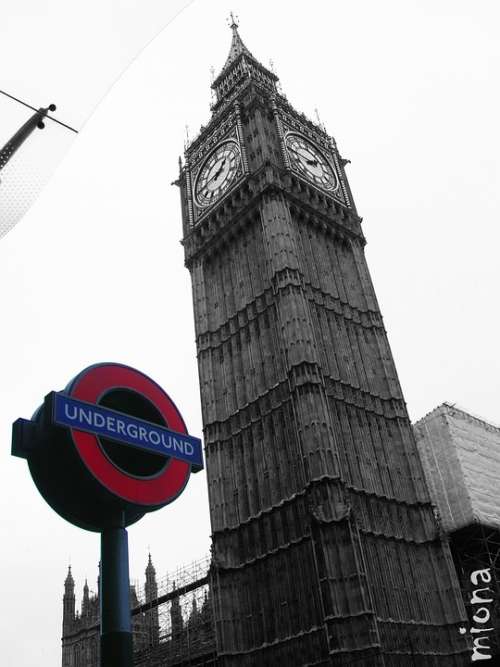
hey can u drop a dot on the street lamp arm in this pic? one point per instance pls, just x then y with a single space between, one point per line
23 133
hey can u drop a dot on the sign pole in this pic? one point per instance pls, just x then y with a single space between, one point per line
105 451
116 627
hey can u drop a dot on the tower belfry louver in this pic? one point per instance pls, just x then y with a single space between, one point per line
326 550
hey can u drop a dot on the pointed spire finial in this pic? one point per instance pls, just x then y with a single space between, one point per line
212 79
233 25
319 121
240 64
237 46
85 592
69 582
150 568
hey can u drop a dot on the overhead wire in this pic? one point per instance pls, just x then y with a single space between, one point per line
55 120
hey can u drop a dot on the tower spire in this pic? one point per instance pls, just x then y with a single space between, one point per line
241 67
233 25
151 587
150 568
151 591
68 602
86 599
237 46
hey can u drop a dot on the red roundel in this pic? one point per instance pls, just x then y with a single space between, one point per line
90 386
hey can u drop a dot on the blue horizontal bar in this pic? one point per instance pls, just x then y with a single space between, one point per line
126 430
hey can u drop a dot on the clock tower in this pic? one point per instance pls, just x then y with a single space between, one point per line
326 548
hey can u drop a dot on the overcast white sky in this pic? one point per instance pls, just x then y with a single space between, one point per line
94 272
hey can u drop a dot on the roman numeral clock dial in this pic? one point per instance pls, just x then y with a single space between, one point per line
309 161
217 173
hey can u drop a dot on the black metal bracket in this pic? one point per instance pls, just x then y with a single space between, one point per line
36 121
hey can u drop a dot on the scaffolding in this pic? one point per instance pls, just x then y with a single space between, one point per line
172 623
182 612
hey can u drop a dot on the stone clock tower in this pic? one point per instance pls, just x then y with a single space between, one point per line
326 549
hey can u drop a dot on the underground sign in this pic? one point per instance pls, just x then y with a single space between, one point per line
109 448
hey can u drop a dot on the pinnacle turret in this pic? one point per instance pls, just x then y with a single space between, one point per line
69 582
68 602
151 587
86 599
176 616
150 568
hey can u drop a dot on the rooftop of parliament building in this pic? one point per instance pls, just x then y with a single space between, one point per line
171 617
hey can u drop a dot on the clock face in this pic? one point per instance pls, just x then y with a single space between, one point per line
309 161
217 174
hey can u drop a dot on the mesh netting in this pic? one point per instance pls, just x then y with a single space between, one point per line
30 167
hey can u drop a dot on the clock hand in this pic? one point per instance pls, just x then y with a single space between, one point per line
218 172
295 151
304 157
216 175
313 163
